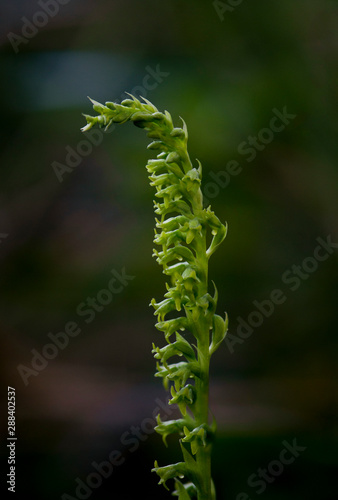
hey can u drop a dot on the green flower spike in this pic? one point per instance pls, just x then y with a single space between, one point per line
183 228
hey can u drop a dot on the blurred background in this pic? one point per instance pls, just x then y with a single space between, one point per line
76 208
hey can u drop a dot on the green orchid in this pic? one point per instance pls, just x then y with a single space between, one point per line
183 228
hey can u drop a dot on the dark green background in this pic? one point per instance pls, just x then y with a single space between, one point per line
63 238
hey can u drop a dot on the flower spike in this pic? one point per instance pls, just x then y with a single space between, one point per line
183 227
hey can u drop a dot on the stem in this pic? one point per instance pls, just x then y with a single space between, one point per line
203 456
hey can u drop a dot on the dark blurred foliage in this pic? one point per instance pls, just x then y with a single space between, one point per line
60 240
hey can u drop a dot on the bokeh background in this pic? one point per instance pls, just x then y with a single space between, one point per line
224 72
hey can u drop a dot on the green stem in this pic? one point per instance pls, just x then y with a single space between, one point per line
202 384
203 456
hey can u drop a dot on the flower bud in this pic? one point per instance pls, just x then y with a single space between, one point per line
177 132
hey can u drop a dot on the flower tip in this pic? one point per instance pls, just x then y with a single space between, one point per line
86 127
132 96
97 105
